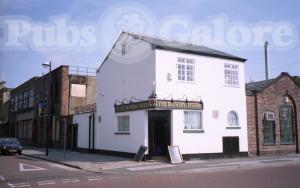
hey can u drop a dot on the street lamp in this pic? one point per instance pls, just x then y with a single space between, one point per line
49 66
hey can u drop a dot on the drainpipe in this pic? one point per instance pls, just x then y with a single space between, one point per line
93 129
256 123
90 117
296 129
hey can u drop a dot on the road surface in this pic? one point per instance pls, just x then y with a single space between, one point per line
22 171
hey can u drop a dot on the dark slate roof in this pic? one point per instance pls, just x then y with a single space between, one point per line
257 86
185 47
261 85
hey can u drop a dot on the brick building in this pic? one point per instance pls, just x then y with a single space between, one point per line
29 109
4 108
273 115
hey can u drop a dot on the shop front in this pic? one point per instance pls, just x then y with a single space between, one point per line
159 113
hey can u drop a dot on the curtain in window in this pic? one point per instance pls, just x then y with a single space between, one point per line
232 119
123 123
192 120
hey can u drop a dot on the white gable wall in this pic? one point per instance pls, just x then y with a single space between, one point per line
120 79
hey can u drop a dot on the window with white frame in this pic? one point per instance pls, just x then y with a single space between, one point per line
193 120
185 69
231 74
123 123
233 119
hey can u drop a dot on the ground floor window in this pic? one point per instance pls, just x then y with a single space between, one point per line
269 131
286 124
233 119
193 120
123 123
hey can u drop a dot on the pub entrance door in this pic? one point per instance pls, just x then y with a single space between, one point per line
159 132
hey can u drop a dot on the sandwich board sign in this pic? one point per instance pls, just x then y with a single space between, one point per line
175 154
140 154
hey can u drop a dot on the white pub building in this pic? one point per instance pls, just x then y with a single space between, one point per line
156 93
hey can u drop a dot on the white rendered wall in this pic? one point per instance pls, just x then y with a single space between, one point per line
209 84
120 79
83 129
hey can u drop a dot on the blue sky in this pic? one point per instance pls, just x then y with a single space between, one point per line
20 65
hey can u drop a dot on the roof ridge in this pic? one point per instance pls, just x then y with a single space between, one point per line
163 38
261 81
173 40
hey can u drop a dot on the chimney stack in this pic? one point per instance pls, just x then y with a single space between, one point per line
266 60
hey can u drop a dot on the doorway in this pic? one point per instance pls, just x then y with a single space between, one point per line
231 146
159 132
74 136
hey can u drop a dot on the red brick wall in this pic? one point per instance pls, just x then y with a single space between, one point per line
269 100
251 125
64 91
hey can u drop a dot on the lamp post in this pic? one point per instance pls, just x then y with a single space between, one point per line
67 122
49 66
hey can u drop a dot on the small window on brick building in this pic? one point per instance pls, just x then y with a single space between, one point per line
269 128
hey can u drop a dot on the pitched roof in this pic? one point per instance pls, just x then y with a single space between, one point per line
261 85
257 86
176 46
184 47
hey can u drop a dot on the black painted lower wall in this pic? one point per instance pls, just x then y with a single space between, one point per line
107 152
184 156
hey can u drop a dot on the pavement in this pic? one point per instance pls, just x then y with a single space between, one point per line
117 165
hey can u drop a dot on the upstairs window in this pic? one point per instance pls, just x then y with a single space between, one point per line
25 99
231 74
12 104
185 69
16 103
20 107
31 97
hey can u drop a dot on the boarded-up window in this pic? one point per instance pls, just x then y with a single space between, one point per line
78 90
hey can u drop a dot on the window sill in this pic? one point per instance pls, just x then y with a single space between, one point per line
122 133
288 143
238 86
186 82
271 144
194 131
233 127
